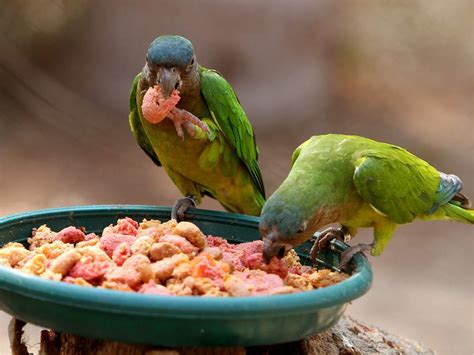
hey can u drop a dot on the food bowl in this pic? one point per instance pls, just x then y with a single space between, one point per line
170 320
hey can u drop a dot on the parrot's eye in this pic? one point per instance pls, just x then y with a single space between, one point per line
192 61
302 228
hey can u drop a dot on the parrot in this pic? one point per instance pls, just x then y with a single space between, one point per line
358 183
216 155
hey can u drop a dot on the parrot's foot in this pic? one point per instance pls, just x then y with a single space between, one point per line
321 239
348 254
184 118
181 206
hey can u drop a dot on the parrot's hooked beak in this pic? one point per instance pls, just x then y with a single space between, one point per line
168 79
272 247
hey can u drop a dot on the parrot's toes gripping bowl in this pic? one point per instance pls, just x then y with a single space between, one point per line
169 320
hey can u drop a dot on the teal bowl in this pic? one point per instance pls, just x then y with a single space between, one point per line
168 320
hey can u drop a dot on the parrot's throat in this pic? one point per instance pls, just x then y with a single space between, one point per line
190 92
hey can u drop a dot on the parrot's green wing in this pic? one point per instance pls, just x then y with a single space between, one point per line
136 124
396 183
232 121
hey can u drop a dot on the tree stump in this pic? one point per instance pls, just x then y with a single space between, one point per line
348 336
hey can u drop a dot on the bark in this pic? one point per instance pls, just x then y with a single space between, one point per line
349 336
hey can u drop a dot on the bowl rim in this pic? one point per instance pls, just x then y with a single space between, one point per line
112 301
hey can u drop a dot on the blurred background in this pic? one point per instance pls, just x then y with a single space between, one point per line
400 72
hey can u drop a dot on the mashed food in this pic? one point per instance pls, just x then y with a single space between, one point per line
161 259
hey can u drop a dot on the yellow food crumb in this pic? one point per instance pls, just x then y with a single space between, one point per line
142 245
88 243
149 223
14 253
163 269
300 282
325 277
141 264
50 275
64 263
54 249
36 265
157 230
93 252
81 282
112 285
192 233
291 259
41 235
162 250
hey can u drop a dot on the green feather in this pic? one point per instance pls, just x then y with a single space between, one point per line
395 182
458 213
231 119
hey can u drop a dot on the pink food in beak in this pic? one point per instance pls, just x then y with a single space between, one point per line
155 107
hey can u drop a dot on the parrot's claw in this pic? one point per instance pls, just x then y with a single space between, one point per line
348 254
188 120
190 128
181 206
321 239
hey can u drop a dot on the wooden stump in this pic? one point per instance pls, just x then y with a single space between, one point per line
349 336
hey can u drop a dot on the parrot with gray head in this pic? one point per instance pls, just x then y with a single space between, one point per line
188 120
358 183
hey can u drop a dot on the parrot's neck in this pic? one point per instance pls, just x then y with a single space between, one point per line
314 203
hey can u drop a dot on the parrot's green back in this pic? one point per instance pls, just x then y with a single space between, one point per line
222 164
359 182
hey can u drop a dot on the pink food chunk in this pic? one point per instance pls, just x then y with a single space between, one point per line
230 253
90 236
301 269
235 258
127 226
121 253
182 243
122 275
71 235
154 105
248 256
151 288
206 266
109 242
260 283
90 270
275 266
218 242
253 259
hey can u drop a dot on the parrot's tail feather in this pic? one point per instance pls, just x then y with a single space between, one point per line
458 213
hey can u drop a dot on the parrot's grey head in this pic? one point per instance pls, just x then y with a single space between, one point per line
171 64
282 227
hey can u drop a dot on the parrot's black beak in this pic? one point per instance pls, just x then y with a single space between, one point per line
168 79
271 247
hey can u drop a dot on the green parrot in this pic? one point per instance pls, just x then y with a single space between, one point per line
358 183
216 155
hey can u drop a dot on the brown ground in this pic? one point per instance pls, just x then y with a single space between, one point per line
397 72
